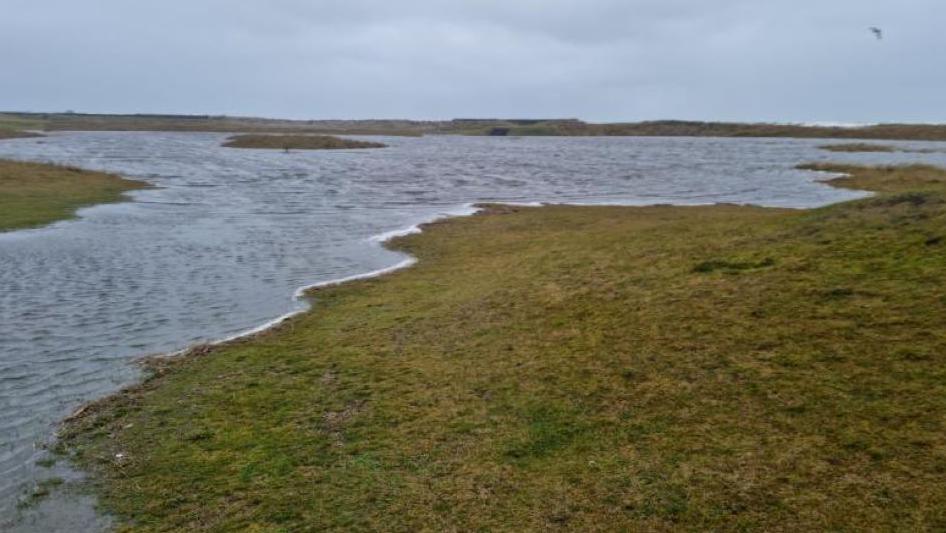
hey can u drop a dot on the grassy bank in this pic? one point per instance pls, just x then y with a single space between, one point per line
297 142
575 368
34 194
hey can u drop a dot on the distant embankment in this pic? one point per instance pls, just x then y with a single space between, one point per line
679 128
871 147
297 142
465 126
214 123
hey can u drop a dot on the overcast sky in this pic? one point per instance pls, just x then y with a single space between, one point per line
600 60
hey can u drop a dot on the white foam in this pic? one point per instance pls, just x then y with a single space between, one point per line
465 210
300 293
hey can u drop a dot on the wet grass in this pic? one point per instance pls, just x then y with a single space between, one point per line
575 368
298 142
34 194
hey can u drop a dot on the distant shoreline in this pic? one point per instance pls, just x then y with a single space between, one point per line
468 126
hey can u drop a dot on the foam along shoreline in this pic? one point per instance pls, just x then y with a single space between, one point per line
300 294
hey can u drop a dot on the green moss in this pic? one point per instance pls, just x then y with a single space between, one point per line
568 367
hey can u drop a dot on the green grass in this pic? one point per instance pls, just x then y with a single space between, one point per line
575 368
297 142
35 194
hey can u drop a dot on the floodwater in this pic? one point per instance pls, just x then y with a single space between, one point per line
226 238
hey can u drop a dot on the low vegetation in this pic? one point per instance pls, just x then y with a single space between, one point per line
871 147
858 147
682 128
35 194
298 142
573 368
485 126
214 123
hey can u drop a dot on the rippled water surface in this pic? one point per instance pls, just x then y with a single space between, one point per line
228 235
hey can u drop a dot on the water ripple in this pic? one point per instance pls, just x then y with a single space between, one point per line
227 238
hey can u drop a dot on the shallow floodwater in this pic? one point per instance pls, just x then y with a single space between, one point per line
229 235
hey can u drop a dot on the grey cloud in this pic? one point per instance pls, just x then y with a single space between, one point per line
604 60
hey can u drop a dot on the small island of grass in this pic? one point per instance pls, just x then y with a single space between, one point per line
858 147
298 142
36 194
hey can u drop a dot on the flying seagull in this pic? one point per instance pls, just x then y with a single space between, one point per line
879 33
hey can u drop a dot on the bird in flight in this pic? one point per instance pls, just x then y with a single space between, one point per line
879 33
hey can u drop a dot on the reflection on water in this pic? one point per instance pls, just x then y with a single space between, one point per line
230 234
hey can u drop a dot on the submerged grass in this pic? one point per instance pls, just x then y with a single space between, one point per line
35 194
577 368
297 142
